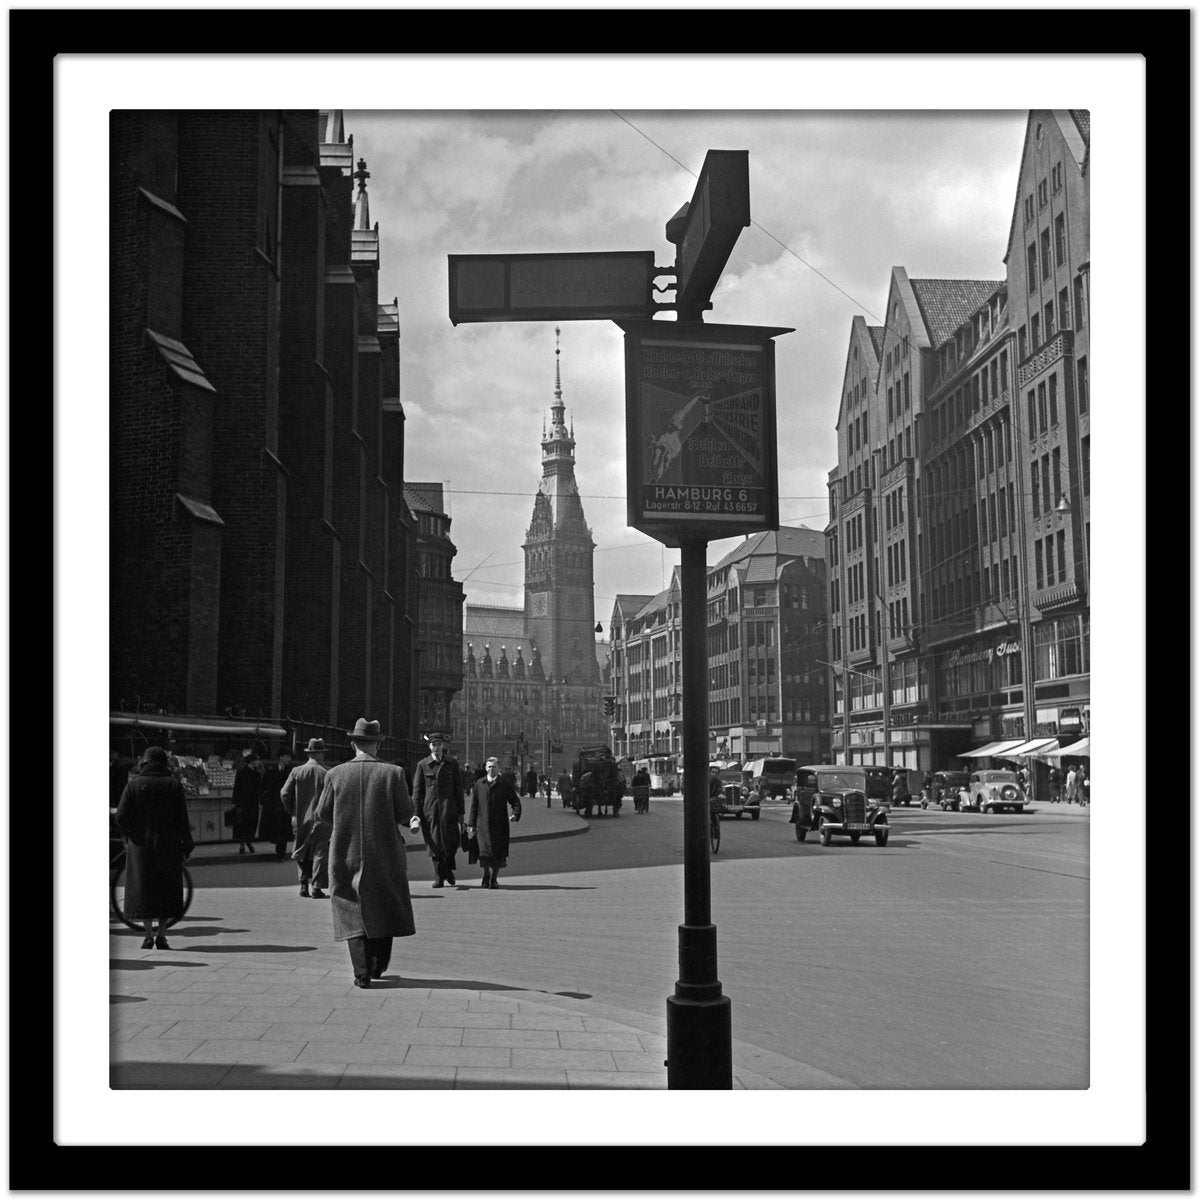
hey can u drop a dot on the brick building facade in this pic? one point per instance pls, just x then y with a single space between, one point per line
261 550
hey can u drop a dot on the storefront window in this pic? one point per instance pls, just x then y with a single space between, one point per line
1061 647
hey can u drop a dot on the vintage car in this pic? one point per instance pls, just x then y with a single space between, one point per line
832 800
992 791
879 784
739 797
944 789
771 776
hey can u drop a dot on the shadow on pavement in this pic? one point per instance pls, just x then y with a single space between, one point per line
472 985
126 999
248 949
141 964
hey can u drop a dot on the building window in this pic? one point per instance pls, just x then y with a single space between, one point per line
1056 471
1031 265
1047 498
1028 210
1003 371
1056 177
1043 194
891 415
1021 346
1048 313
1041 393
1064 312
1053 382
1060 240
1045 254
1085 464
1035 331
1082 373
1038 568
1061 538
1078 302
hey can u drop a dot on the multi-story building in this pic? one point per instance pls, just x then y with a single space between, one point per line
765 625
531 675
958 535
259 542
440 607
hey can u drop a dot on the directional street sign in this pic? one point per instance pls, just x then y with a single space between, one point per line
718 212
587 286
700 429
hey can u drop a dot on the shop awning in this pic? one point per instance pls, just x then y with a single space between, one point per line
993 749
1079 749
1034 749
188 724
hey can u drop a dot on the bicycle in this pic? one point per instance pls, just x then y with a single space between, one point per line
714 831
116 891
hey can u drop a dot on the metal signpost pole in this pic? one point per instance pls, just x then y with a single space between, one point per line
699 1017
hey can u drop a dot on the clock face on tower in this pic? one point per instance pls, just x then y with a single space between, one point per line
538 605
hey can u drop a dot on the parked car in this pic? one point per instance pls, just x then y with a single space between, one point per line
992 791
832 800
944 789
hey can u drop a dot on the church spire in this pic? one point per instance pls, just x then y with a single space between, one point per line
558 445
362 209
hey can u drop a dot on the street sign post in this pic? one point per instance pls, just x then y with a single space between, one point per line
700 429
587 286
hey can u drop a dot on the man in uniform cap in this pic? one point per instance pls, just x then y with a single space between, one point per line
365 801
439 801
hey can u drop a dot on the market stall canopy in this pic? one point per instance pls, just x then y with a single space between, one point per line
993 749
226 725
1037 748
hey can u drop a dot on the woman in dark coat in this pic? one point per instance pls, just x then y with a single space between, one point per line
153 817
247 783
494 802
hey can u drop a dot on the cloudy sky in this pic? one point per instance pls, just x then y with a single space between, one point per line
848 194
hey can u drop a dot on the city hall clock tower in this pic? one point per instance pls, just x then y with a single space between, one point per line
559 606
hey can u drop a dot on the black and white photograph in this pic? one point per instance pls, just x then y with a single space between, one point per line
671 519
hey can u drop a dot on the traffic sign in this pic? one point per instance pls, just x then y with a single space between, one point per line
700 429
718 212
551 287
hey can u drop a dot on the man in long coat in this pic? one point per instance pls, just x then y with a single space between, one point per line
273 825
301 794
439 801
247 782
364 800
494 802
153 817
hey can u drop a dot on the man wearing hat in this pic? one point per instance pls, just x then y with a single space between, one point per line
439 800
364 801
301 794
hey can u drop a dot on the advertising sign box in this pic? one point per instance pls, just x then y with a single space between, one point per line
551 287
700 429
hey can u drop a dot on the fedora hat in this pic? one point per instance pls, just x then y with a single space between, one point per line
364 730
315 746
437 735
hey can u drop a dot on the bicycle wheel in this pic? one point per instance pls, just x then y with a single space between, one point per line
714 834
116 899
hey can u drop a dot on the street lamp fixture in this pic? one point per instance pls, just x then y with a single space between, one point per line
1064 504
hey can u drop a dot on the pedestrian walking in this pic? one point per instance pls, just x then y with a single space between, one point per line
900 792
529 787
565 789
544 787
301 796
364 801
641 790
152 815
274 825
1069 791
439 803
247 785
1055 785
1084 785
494 804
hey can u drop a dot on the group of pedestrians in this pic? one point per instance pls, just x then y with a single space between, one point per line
1073 788
346 821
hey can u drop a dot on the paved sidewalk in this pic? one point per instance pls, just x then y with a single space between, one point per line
256 994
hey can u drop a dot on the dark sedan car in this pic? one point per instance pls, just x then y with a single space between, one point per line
944 790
